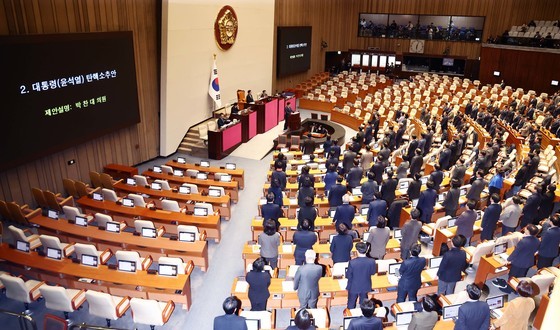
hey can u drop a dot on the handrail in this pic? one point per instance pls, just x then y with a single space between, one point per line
26 322
83 326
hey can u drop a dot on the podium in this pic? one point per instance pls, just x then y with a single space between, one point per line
294 121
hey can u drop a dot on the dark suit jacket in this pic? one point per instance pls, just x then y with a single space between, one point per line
304 241
336 149
530 209
308 146
445 158
348 160
453 263
271 211
354 176
524 254
258 286
473 315
394 212
388 188
489 220
335 195
413 190
411 148
459 173
369 188
426 204
229 322
341 246
376 208
377 169
416 164
366 323
465 223
344 214
278 179
305 192
359 274
411 270
437 178
549 243
410 231
477 187
451 201
309 213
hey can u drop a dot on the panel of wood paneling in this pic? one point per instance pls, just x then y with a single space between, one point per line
130 145
336 22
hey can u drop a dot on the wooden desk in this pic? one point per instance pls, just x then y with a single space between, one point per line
292 188
444 235
487 268
237 174
210 223
222 203
232 188
222 142
156 247
118 171
66 273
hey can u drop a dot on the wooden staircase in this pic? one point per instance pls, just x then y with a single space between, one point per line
192 144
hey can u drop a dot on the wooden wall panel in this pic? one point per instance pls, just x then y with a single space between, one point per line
130 145
336 22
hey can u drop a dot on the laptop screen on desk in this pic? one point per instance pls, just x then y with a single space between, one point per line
127 266
204 163
54 253
52 214
253 324
149 232
463 191
202 176
89 260
450 312
403 185
305 157
127 202
130 181
357 191
347 320
403 318
156 186
97 197
366 236
496 302
181 160
397 233
225 178
332 213
415 202
434 262
441 198
394 267
81 221
22 246
500 248
178 173
113 227
364 210
185 236
451 222
230 166
184 190
424 180
157 169
200 211
167 270
214 192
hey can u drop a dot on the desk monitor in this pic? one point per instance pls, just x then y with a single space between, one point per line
178 173
156 186
127 266
81 221
284 150
497 302
331 237
149 232
435 261
478 214
167 270
213 192
397 233
403 185
415 202
496 73
181 160
366 236
89 260
53 214
394 268
450 312
441 197
225 178
253 324
554 83
157 169
131 181
424 180
347 320
451 222
357 191
500 248
293 322
97 197
184 190
332 212
403 318
364 210
231 166
54 253
204 163
463 191
127 202
322 166
186 236
200 211
113 227
202 176
22 246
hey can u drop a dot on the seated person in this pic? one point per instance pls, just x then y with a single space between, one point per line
223 121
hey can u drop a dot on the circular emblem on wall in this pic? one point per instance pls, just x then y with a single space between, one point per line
225 28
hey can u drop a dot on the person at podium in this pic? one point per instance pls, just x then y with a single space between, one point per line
249 98
263 94
287 112
223 121
234 110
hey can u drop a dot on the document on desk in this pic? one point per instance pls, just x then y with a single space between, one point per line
256 248
343 282
288 286
361 219
287 248
446 232
241 286
293 201
432 272
394 280
292 269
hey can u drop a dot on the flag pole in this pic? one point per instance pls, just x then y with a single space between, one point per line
213 103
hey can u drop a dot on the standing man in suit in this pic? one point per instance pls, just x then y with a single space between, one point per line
531 207
341 245
308 212
477 186
426 202
249 97
359 274
459 172
550 239
412 146
369 188
490 218
388 188
337 192
348 160
259 281
411 275
436 176
454 262
376 208
451 201
410 231
287 113
367 321
426 319
354 176
510 215
416 162
523 257
445 158
278 183
344 213
230 321
306 281
304 240
377 169
302 321
271 210
308 146
473 314
465 222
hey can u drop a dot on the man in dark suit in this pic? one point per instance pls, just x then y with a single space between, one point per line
385 152
459 171
531 207
367 321
230 321
278 183
465 221
388 188
445 158
336 192
412 146
341 245
548 250
477 186
287 113
344 213
249 98
306 281
354 176
416 162
359 274
523 257
473 314
426 202
377 169
452 265
436 177
348 160
451 201
410 231
336 151
411 275
308 146
399 135
490 218
302 321
308 212
369 188
259 281
304 240
271 210
376 207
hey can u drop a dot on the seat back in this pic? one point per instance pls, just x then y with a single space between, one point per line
482 249
207 206
19 235
39 197
17 213
146 311
203 132
88 249
138 200
164 184
166 169
383 265
264 316
106 181
139 224
52 201
189 229
70 187
129 256
53 322
544 281
321 316
173 261
95 179
15 288
56 298
170 205
102 219
4 211
140 180
101 304
191 172
109 195
81 188
221 189
194 188
71 212
339 269
48 241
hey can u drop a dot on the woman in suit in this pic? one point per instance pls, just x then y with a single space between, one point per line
259 281
341 245
425 320
517 312
269 241
378 238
